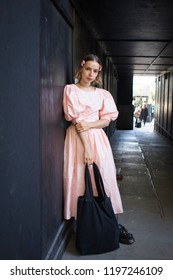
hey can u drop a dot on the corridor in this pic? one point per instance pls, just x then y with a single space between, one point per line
146 161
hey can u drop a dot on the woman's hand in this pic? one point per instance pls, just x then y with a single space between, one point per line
88 156
82 126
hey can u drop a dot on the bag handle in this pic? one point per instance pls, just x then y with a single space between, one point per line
88 183
98 180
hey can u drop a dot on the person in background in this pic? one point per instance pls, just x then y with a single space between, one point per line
89 109
137 114
144 114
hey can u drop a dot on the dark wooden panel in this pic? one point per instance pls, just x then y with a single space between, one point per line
170 104
165 100
164 105
52 146
56 71
19 130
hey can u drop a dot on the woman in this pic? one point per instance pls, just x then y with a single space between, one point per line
89 109
137 115
144 114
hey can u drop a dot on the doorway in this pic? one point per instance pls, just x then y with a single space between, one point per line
144 95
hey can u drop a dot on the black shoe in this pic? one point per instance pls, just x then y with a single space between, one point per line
125 236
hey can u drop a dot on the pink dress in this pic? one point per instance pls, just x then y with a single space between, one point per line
80 105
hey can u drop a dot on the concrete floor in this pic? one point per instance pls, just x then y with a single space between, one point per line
146 162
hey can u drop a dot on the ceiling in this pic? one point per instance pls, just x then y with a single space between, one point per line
136 34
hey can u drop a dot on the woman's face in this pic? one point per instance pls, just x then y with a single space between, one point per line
90 70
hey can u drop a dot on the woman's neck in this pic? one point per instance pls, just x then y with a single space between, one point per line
84 85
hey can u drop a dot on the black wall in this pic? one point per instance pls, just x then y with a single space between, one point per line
36 63
164 105
56 71
19 130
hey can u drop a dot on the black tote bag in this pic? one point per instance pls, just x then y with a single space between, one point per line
97 228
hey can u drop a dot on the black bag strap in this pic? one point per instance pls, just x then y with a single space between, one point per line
98 180
88 183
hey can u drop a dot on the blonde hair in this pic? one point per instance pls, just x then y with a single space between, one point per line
89 57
